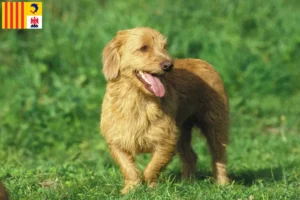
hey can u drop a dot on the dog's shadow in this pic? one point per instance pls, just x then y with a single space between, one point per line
250 177
244 177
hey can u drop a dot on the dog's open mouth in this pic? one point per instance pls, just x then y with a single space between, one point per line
151 82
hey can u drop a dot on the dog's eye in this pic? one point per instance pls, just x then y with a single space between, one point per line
144 48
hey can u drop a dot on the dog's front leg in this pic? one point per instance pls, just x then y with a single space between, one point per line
128 168
161 156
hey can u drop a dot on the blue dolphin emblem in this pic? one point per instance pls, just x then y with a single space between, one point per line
35 6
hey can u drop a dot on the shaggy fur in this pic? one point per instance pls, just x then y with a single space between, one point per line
136 119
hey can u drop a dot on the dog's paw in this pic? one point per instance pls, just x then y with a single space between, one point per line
152 184
188 176
224 180
130 186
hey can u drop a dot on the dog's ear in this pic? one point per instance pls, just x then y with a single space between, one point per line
111 56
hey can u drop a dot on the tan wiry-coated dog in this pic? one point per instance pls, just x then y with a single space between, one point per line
152 103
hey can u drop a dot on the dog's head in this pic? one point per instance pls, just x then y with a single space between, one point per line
139 54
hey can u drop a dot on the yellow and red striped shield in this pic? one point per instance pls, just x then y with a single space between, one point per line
22 15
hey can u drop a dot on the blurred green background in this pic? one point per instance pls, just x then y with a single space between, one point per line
51 88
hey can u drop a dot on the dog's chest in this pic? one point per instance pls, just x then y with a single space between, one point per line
141 126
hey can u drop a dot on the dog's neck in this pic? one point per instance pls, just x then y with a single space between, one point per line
127 96
128 92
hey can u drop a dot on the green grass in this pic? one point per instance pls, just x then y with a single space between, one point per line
51 88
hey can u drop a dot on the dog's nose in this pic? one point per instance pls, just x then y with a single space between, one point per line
166 65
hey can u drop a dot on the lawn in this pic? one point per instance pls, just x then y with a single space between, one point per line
51 89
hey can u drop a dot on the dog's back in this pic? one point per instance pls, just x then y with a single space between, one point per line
198 86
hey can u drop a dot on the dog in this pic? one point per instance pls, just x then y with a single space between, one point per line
152 102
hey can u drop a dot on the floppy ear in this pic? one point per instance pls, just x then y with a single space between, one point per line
111 57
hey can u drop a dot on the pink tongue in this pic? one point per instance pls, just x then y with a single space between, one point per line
157 87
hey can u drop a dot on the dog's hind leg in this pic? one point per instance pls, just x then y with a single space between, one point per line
187 155
215 128
128 168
